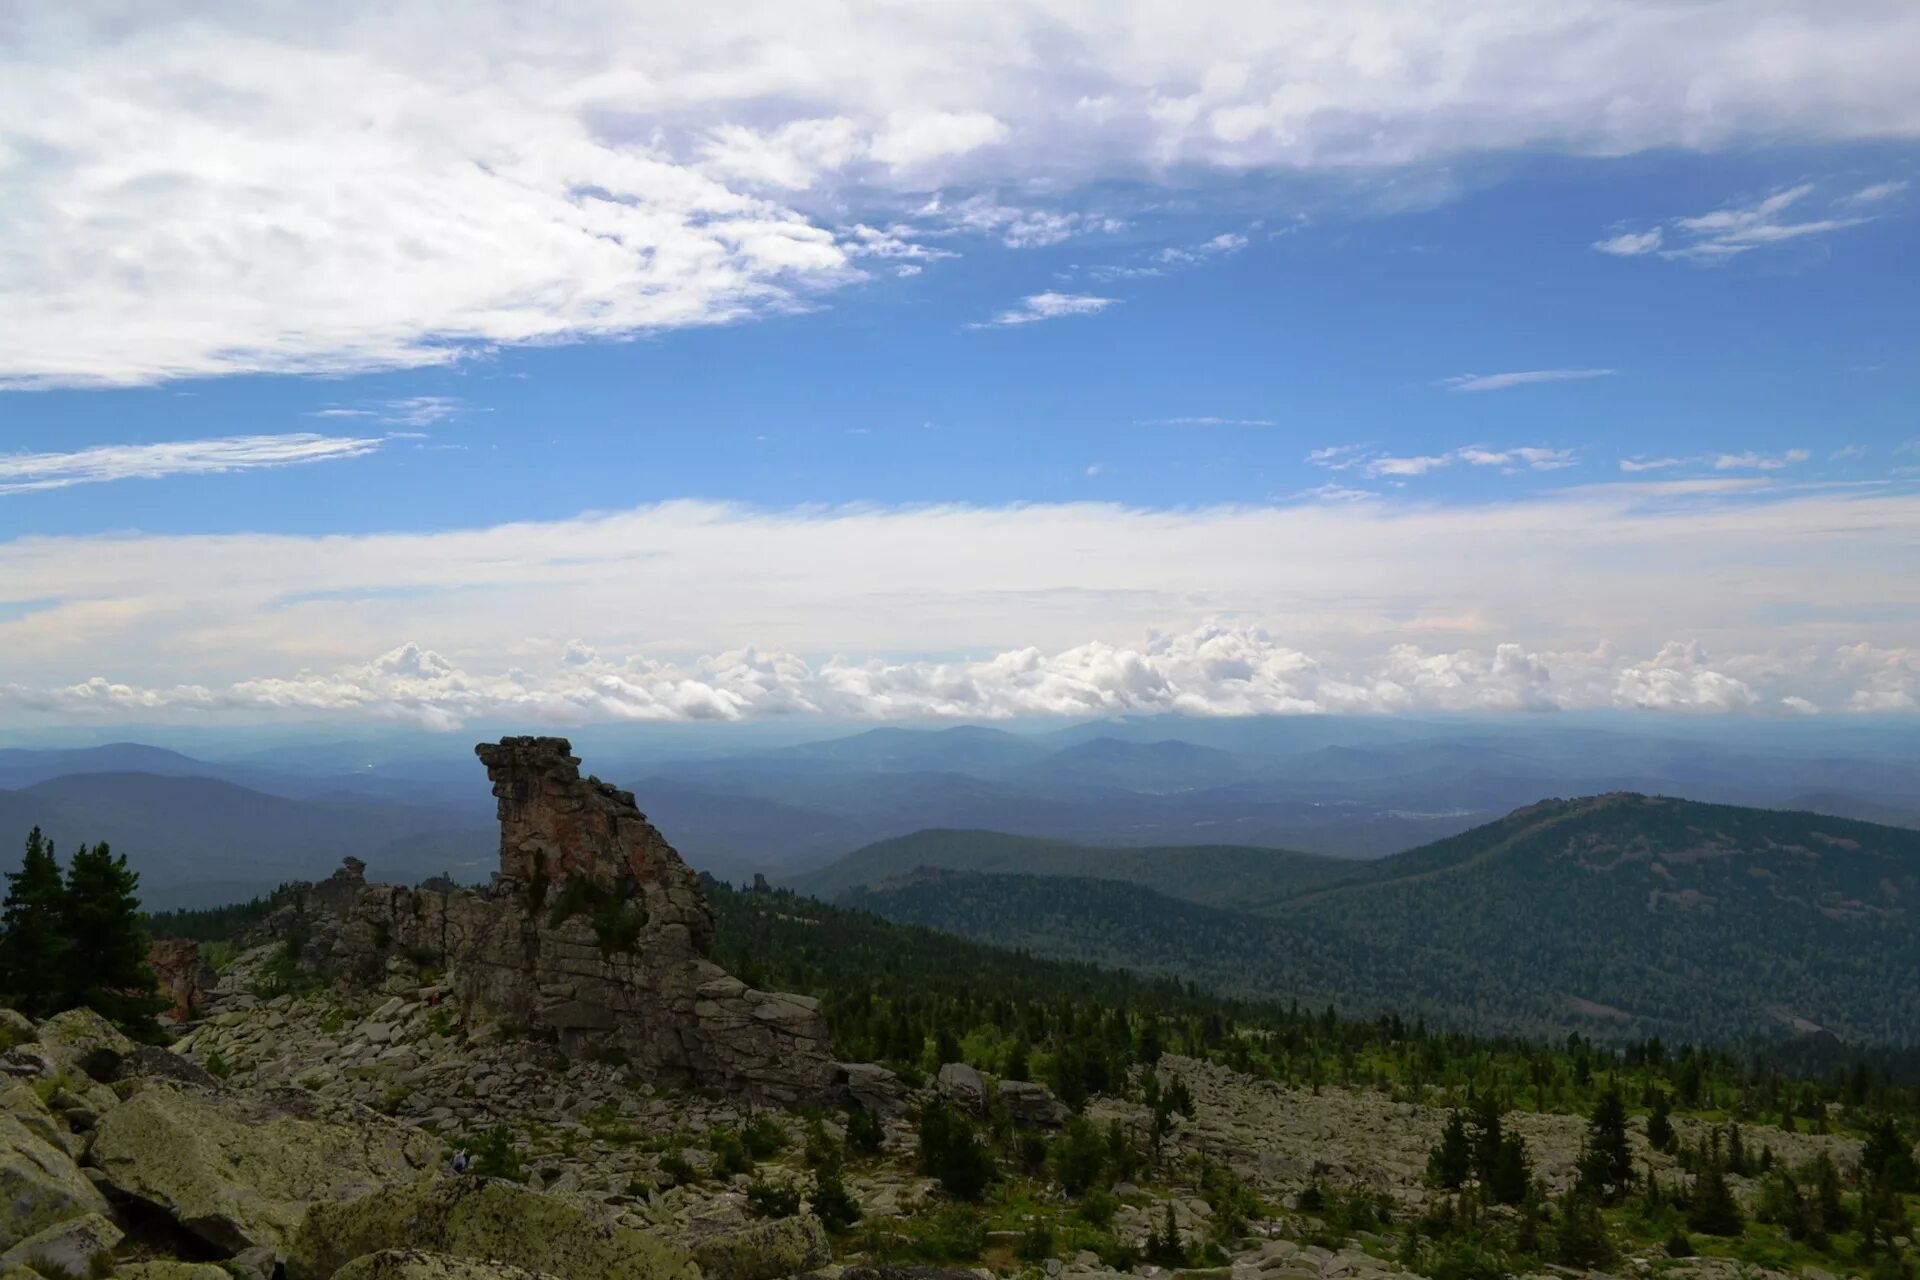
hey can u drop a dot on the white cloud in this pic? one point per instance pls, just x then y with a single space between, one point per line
1876 192
1751 461
1214 670
367 185
1847 453
1651 464
1726 233
1501 381
1631 244
1365 604
1047 306
1376 465
1015 226
26 472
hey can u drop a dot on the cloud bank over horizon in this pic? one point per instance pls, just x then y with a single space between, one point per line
1631 595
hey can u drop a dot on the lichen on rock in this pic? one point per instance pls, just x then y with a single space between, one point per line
486 1220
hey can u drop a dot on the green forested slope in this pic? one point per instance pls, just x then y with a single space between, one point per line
1624 914
1215 874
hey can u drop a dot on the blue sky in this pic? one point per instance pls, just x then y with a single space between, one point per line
957 405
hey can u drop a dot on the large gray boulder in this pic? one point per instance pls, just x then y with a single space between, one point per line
484 1220
417 1264
1030 1103
40 1185
85 1042
80 1247
764 1250
963 1087
240 1171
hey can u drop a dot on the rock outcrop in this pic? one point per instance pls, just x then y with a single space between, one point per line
485 1220
593 932
182 976
241 1171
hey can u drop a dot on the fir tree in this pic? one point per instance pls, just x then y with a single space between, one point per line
1712 1210
1450 1163
1660 1122
34 947
107 970
1606 1159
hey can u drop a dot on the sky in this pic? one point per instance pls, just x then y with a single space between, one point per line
438 364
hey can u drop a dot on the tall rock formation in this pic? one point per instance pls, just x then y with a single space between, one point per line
594 931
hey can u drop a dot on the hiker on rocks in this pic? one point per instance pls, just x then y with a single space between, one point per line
461 1161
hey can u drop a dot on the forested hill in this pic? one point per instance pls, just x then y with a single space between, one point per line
1624 915
1215 874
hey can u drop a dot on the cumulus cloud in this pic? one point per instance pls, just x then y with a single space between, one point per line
26 472
1502 381
1211 670
1366 604
369 185
1047 306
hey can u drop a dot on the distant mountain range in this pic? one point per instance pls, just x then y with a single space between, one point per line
1626 915
1347 787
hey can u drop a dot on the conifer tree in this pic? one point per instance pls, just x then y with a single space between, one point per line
1450 1163
34 947
1606 1159
1712 1210
107 969
1660 1122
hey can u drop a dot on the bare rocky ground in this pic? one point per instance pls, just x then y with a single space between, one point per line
279 1135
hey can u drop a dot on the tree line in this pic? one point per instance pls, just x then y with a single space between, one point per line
76 938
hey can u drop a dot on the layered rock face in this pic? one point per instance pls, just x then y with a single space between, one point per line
593 931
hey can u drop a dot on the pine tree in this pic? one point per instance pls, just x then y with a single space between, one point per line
107 969
1606 1159
34 946
1660 1122
1712 1210
1450 1163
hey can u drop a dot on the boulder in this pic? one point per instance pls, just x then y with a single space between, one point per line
15 1028
415 1264
40 1185
764 1250
86 1042
170 1269
481 1219
151 1062
78 1247
1030 1103
964 1087
240 1171
869 1085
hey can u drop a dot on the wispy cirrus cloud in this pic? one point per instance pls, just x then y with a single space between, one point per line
1791 213
1744 460
1376 465
408 411
1527 377
29 472
1752 461
1047 306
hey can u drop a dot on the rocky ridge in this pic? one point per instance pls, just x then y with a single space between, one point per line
593 932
